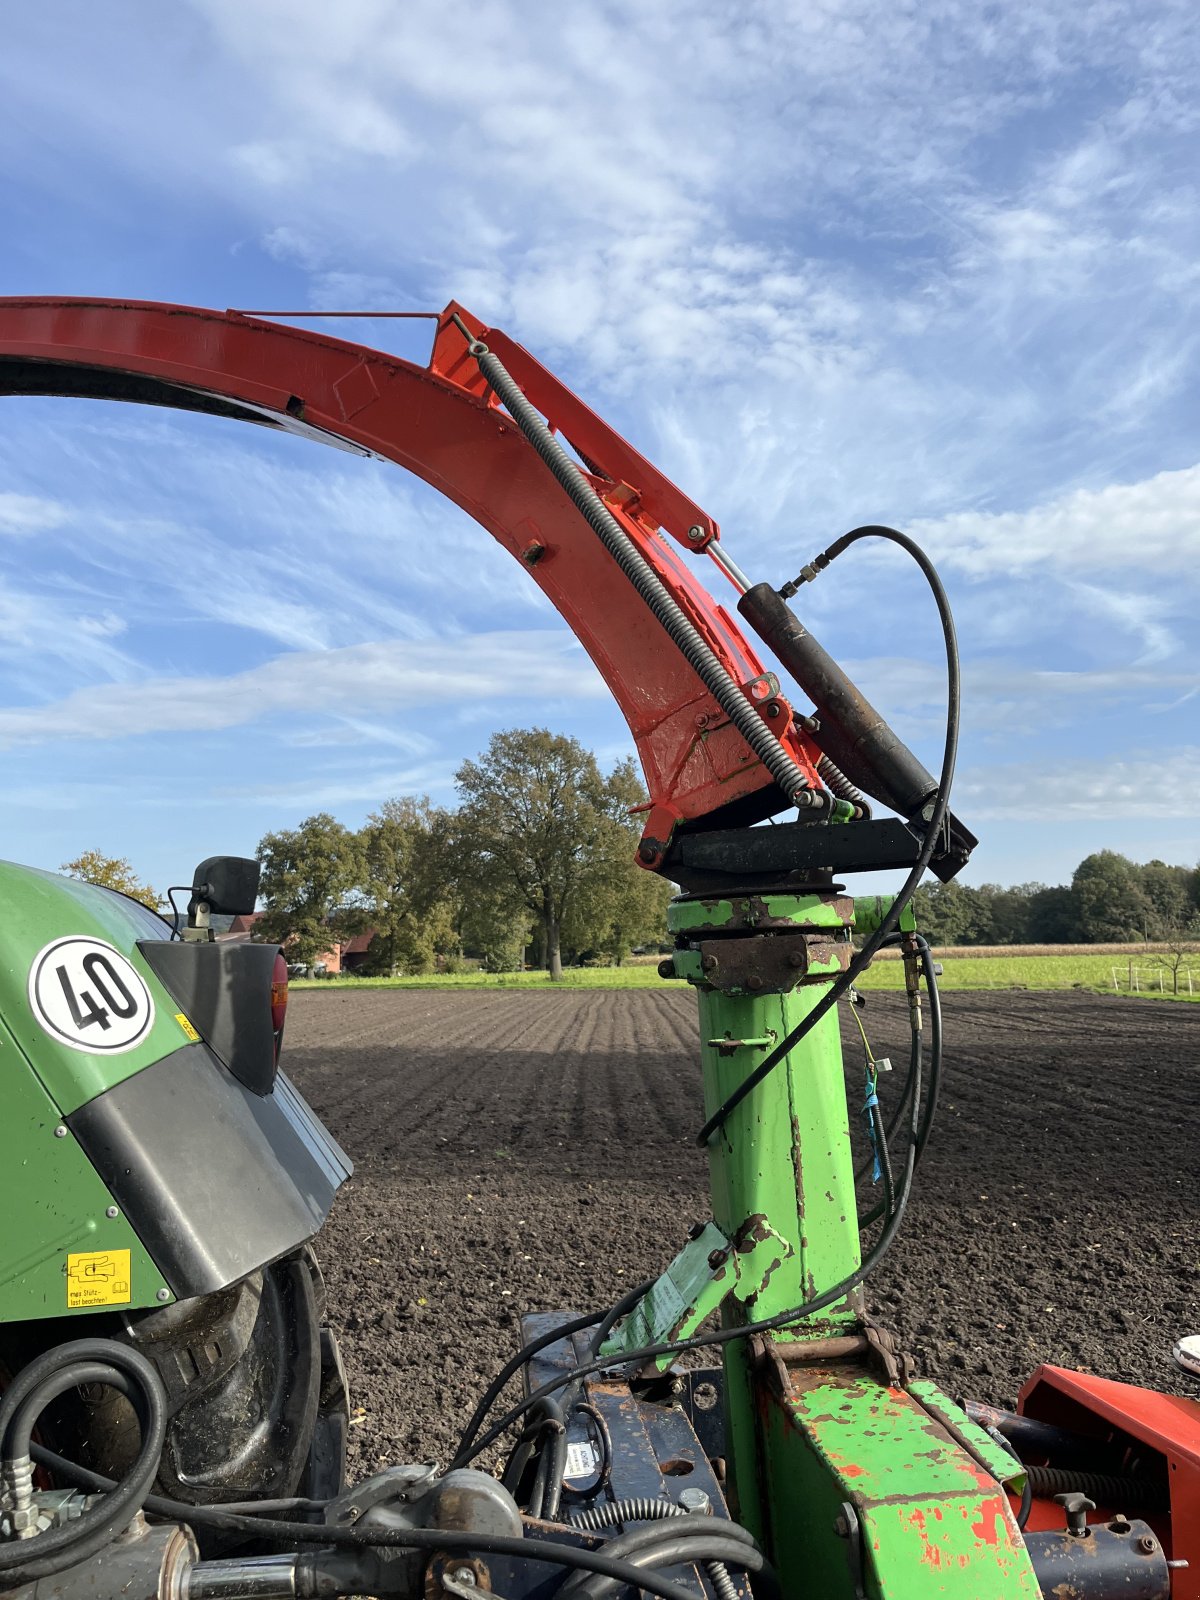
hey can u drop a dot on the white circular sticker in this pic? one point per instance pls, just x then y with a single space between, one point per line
88 995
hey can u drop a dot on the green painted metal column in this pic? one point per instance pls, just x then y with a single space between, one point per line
759 964
857 1483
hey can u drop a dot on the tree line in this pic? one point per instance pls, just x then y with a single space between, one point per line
1109 900
539 851
538 856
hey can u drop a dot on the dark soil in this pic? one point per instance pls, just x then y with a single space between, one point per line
520 1152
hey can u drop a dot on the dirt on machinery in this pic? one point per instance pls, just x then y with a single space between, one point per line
529 1150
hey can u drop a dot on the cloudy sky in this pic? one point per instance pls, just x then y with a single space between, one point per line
824 261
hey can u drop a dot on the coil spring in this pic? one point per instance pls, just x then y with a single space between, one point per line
1122 1490
841 786
648 1510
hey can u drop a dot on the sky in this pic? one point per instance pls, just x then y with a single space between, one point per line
825 263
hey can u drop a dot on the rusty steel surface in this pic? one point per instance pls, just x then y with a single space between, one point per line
440 423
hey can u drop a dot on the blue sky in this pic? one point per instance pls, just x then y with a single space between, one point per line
825 263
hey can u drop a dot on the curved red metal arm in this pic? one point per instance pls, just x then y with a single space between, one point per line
442 424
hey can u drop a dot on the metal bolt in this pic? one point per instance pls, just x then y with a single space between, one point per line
754 981
666 969
717 1258
695 1500
774 709
709 963
60 1132
841 1527
702 720
1147 1545
465 1576
648 851
163 1294
696 534
112 1213
796 958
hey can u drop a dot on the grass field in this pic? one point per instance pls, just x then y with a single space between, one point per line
1083 968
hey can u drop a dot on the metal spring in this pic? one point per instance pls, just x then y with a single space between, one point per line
647 1510
1121 1490
841 786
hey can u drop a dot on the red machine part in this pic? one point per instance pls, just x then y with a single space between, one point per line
442 423
1166 1425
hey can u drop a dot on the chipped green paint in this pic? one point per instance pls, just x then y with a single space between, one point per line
753 911
932 1519
784 1154
702 1276
870 910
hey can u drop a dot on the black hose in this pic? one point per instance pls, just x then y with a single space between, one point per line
65 1367
699 655
159 1505
670 1551
510 1369
448 1540
933 832
617 1512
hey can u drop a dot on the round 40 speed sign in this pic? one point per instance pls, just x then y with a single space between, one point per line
86 994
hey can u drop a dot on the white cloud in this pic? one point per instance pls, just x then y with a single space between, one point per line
1148 530
1149 787
388 679
25 514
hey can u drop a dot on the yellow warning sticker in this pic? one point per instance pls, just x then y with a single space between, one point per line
98 1278
187 1027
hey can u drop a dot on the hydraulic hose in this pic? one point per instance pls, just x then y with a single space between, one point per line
616 1512
671 1546
937 818
699 655
65 1367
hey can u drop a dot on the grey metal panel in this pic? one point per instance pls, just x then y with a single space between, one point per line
216 1180
225 991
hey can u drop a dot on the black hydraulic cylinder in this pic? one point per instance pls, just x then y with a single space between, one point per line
1118 1561
852 732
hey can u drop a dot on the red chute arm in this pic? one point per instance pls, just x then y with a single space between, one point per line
441 423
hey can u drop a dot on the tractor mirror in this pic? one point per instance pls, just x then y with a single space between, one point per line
227 884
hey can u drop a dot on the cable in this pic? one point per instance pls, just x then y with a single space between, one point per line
510 1369
159 1505
604 1438
937 818
644 1510
43 1380
1027 1487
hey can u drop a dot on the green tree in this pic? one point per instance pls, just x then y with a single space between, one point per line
540 826
112 872
1168 890
407 896
310 882
621 905
1053 916
952 913
1111 904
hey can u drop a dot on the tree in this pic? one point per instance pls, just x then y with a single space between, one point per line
407 897
310 882
1110 903
621 905
112 872
540 826
1168 891
952 913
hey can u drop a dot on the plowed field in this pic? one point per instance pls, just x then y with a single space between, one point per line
526 1151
